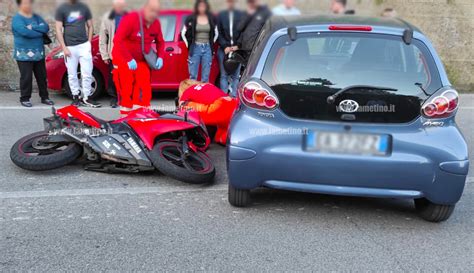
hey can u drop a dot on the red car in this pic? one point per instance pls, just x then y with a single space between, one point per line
175 58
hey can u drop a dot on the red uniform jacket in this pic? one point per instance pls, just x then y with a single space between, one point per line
127 40
213 105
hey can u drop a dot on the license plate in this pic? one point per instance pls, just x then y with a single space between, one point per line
347 143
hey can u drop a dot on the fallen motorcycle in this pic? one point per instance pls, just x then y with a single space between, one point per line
145 140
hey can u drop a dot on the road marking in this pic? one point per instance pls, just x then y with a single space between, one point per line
107 191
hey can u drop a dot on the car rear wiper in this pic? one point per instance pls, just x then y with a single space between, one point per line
422 88
332 99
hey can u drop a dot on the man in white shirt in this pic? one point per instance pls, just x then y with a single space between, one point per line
286 8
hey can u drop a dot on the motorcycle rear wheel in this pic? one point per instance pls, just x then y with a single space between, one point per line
194 168
31 154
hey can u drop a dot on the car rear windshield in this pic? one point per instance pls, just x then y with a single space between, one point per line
321 64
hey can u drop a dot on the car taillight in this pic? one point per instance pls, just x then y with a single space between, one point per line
349 28
441 106
254 95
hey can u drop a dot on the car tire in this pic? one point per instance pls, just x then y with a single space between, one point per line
97 92
433 212
238 198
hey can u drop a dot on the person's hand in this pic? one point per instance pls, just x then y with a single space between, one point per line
234 48
107 61
67 52
227 50
159 63
132 65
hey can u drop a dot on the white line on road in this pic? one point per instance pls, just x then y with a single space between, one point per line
106 191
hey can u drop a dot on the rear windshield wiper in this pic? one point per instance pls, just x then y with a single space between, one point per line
332 99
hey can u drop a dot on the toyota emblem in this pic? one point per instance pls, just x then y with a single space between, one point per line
349 106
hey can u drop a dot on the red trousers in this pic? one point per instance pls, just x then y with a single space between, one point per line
133 87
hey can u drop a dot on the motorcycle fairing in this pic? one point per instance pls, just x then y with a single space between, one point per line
121 147
149 129
149 125
72 112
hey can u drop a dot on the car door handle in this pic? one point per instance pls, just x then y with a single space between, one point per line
169 49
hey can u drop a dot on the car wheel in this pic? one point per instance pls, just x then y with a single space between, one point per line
238 198
98 86
433 212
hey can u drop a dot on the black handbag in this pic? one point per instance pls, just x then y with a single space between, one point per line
150 57
46 39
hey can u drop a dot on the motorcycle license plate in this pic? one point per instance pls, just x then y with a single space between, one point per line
347 143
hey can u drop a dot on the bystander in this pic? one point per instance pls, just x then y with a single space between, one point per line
228 20
286 8
29 30
74 31
108 27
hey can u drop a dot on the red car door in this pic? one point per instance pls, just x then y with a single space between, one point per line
172 72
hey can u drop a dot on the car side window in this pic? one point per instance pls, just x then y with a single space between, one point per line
168 27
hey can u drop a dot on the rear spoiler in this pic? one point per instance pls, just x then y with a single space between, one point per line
407 34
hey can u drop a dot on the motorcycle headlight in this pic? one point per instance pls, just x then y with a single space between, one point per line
58 55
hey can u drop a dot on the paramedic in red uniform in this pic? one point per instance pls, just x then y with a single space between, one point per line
132 74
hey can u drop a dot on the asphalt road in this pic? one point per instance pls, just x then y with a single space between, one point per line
72 220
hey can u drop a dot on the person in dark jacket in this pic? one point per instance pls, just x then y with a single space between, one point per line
28 32
200 33
228 22
250 27
340 7
109 25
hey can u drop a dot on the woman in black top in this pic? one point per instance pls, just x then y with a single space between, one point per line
200 33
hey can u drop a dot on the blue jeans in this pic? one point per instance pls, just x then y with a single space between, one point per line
227 80
201 56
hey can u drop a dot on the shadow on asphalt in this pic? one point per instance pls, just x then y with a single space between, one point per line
353 207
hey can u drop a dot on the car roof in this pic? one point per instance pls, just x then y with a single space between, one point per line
279 22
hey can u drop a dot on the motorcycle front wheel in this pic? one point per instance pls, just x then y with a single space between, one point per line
34 154
193 168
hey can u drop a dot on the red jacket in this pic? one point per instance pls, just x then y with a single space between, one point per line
127 40
205 93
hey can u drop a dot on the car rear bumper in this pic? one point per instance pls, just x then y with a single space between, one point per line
422 164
